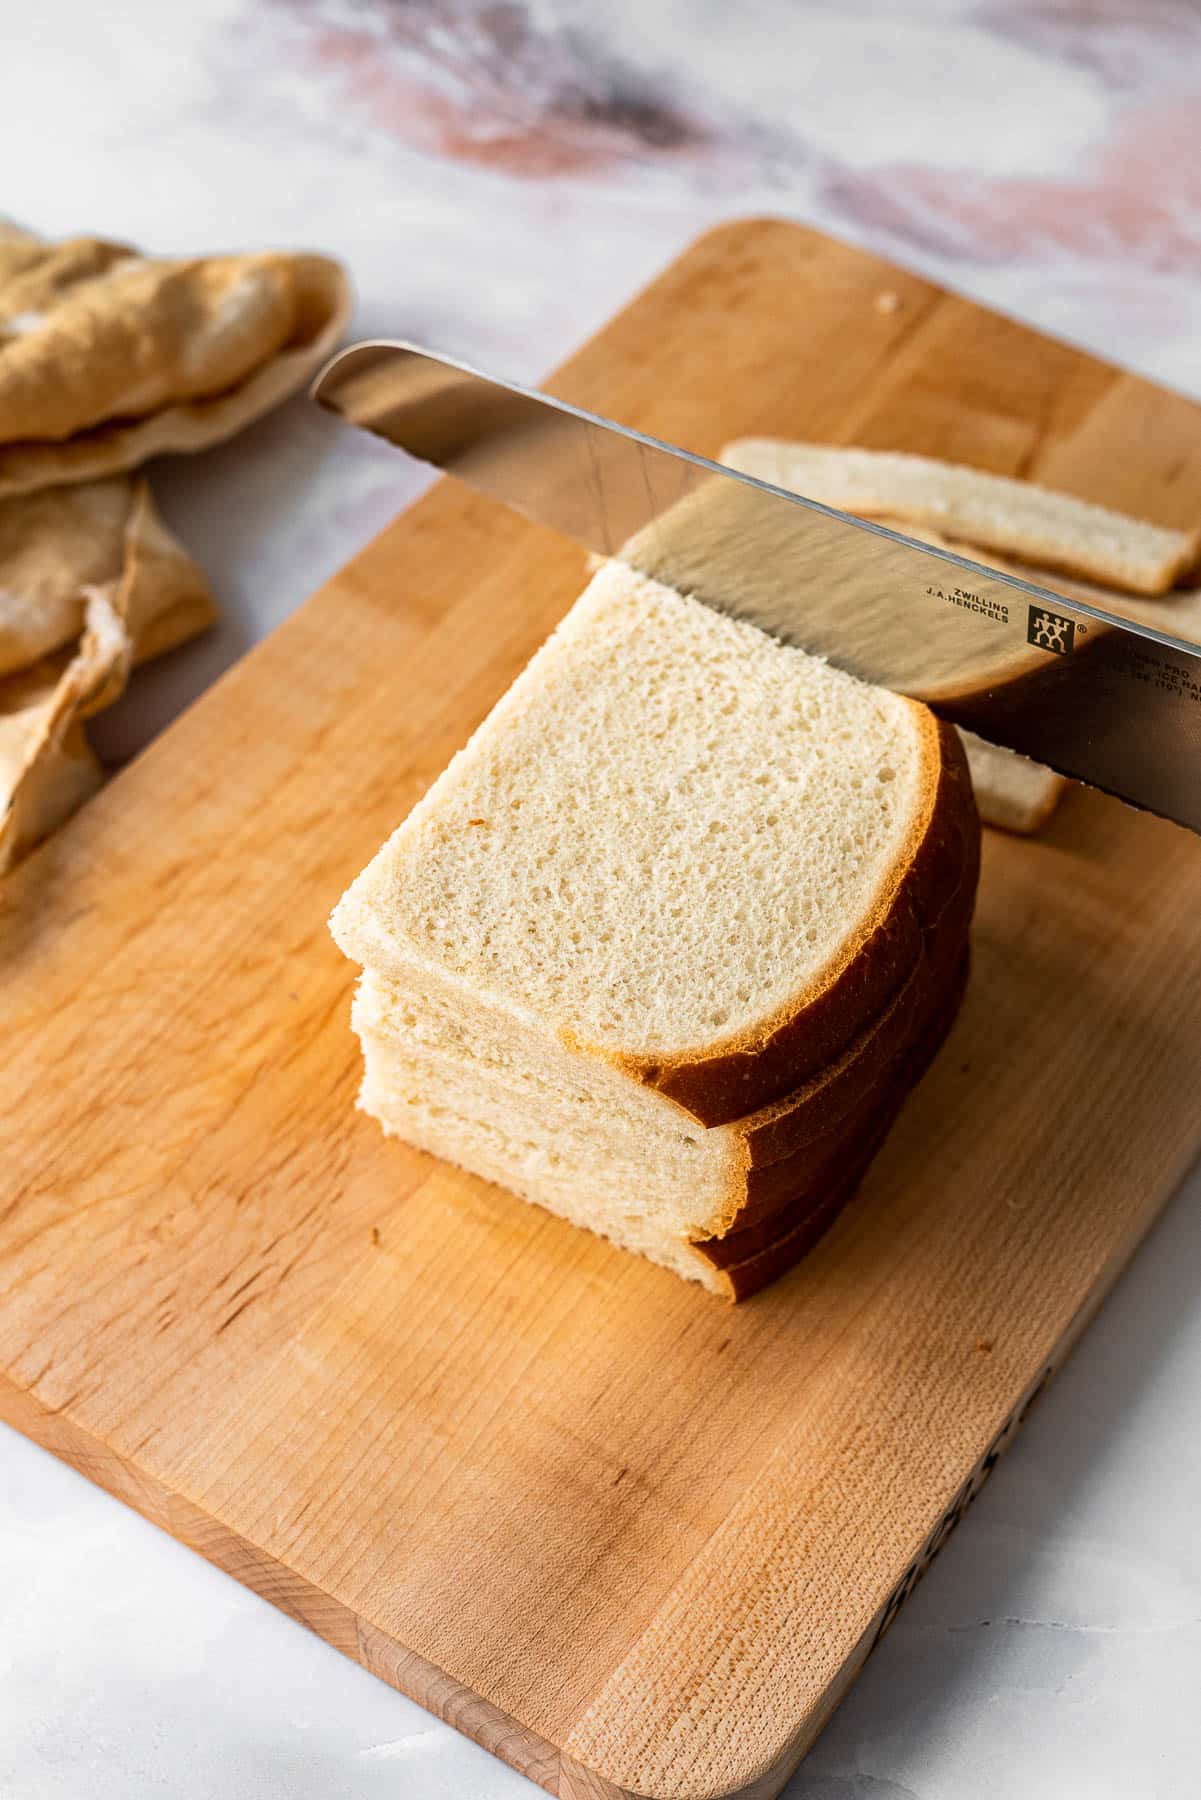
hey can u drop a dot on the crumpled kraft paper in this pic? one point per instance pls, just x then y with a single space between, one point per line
152 598
56 544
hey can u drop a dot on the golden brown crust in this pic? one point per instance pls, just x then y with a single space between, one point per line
757 1252
787 1125
748 1248
764 1266
775 1188
749 1074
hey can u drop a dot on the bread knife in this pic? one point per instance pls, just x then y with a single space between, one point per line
1108 700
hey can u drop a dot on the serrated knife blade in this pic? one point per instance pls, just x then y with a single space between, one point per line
1112 701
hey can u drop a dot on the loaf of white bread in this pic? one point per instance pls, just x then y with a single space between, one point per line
667 944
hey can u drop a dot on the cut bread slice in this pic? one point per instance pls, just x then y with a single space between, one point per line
544 1080
689 1198
610 1194
1013 792
679 848
702 1178
994 512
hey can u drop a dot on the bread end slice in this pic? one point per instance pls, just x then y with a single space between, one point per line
994 512
1012 792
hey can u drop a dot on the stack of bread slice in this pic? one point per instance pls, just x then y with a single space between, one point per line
667 944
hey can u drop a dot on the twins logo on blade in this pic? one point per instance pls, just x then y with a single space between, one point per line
1050 630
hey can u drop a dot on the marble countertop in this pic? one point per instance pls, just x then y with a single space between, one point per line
499 178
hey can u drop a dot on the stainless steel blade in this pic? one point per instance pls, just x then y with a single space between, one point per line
1109 700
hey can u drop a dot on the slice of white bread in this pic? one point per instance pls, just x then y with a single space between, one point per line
995 512
546 1079
669 1197
655 798
678 847
1013 792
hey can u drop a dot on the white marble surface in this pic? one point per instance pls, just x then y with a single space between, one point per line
499 179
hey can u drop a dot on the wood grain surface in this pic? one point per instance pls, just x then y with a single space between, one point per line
631 1540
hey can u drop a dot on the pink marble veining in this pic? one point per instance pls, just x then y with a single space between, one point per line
489 84
970 135
1121 206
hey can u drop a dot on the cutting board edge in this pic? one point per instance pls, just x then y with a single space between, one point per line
937 1538
450 1699
305 1603
52 1429
764 1781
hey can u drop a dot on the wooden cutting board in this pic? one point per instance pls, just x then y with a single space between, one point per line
632 1540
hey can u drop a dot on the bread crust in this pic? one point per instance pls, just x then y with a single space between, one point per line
809 1144
750 1071
755 1253
778 1130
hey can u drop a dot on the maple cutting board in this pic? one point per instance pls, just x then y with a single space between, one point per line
634 1541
